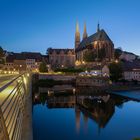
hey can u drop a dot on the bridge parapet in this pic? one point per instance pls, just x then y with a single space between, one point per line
12 103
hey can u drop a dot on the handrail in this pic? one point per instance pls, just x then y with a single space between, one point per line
10 100
15 88
9 83
12 106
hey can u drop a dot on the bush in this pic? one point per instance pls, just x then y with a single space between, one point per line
115 71
42 67
1 61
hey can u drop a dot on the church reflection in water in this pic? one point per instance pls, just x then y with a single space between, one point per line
88 103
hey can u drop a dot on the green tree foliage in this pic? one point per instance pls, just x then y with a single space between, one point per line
1 55
48 50
89 56
1 52
117 53
115 71
2 61
42 67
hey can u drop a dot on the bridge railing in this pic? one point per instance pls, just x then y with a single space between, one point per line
12 102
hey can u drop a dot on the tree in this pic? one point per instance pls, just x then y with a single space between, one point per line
117 53
43 68
48 50
2 61
1 55
89 56
1 52
115 71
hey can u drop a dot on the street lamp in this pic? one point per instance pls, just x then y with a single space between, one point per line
83 62
116 61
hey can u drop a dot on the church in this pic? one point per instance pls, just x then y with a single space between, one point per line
95 48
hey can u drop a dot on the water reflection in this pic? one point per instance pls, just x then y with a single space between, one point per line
87 103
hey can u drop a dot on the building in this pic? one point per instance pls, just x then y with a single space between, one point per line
61 58
131 70
133 74
33 60
19 62
99 44
25 61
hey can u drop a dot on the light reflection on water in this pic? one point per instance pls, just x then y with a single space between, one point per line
83 114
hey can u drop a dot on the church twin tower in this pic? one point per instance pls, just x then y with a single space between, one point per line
85 35
77 35
98 43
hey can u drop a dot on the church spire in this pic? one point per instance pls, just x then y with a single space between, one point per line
98 27
77 36
85 32
77 27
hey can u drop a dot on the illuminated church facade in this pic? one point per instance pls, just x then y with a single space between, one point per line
99 44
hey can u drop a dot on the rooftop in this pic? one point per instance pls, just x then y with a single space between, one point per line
23 56
58 51
101 35
129 66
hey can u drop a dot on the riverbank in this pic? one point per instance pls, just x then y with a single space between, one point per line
131 91
114 88
49 80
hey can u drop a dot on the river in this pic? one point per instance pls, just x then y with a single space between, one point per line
69 113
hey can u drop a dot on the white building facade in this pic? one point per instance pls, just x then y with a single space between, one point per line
132 75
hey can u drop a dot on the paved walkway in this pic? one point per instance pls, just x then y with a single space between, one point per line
27 133
130 94
4 79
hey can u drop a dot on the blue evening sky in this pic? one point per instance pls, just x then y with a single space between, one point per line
35 25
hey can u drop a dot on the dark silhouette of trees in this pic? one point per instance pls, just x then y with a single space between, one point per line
1 55
89 56
1 52
43 68
117 53
115 71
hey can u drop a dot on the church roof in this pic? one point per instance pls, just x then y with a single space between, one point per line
58 51
101 35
